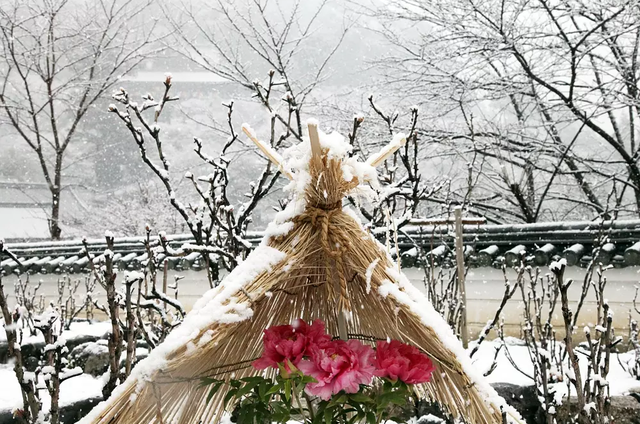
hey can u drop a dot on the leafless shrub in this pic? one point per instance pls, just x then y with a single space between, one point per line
31 404
556 360
54 370
26 295
217 226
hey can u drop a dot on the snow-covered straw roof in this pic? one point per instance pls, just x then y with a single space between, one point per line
315 262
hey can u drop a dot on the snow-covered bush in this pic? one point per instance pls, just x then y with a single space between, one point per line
28 323
632 363
149 314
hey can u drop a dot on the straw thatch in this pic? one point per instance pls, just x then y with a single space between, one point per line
320 269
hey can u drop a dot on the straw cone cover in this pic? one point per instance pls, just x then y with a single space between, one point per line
315 262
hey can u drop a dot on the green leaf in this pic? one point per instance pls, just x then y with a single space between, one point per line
319 418
245 416
230 394
358 417
360 398
214 390
328 416
206 381
274 389
246 388
308 379
371 418
281 413
255 379
262 389
287 390
337 401
300 387
399 398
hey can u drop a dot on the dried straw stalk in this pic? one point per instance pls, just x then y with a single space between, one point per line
327 255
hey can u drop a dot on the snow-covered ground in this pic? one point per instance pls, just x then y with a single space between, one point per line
72 390
620 382
76 329
81 387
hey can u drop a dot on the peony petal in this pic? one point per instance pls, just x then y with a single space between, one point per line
323 391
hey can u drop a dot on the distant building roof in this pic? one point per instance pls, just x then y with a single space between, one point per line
24 195
24 209
486 246
176 77
23 223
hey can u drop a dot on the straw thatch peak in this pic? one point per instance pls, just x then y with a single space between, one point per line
326 178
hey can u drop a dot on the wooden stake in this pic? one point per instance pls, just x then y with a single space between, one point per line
342 326
464 331
268 151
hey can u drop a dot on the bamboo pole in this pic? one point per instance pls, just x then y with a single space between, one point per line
267 150
376 159
464 330
314 140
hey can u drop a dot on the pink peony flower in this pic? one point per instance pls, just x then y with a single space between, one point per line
284 344
398 361
315 334
339 366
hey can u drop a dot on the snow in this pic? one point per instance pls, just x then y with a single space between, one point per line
620 382
369 273
77 329
558 265
80 387
133 276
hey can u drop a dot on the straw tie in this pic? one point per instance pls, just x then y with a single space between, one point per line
333 241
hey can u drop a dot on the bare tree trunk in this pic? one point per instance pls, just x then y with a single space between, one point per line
107 278
61 71
54 222
115 345
55 392
573 359
56 191
131 330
